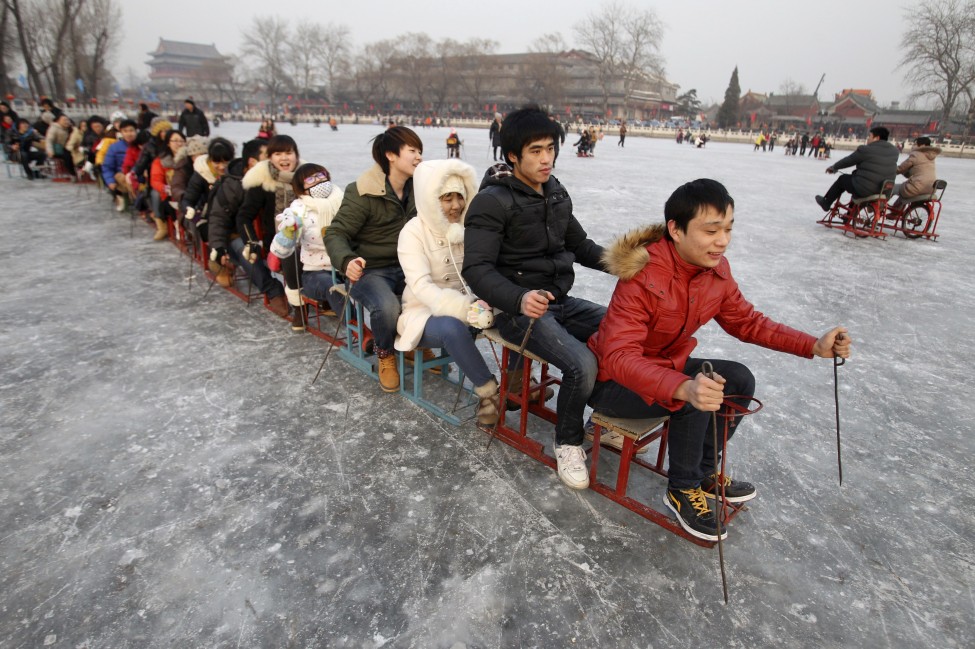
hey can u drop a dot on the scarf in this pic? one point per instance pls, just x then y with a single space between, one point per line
283 193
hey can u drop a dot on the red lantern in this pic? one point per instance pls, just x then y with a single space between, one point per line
71 100
115 100
10 97
130 101
94 100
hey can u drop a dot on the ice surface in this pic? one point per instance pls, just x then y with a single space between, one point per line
170 478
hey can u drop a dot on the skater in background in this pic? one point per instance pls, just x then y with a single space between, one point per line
453 144
494 134
875 162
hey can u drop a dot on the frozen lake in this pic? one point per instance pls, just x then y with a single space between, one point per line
169 478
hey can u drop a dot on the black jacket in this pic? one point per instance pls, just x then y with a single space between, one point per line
517 240
228 196
875 163
194 122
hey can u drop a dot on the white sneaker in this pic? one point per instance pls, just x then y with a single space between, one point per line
572 466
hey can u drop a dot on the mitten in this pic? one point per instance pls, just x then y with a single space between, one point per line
191 214
216 254
273 262
252 251
480 315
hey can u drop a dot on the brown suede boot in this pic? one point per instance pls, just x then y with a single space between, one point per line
278 306
388 372
428 355
162 232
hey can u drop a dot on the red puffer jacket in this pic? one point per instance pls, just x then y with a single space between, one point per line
659 303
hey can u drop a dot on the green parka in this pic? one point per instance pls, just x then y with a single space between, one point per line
369 221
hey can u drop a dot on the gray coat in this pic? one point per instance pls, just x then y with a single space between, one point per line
874 162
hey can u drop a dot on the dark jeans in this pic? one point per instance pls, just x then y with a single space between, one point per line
560 337
379 291
258 272
690 443
27 157
843 184
447 332
317 285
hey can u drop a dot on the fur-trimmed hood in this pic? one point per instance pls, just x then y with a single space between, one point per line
428 181
371 182
202 166
627 255
260 176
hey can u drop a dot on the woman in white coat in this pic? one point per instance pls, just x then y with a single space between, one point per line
438 308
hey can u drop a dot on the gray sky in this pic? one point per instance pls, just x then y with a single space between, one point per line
854 42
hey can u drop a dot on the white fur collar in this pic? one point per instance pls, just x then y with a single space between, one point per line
201 167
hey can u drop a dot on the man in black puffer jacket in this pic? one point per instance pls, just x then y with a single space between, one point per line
875 162
520 241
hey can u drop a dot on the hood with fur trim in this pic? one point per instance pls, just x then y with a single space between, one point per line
627 255
201 166
260 176
428 180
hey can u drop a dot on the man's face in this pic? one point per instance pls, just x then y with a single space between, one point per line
707 237
534 166
407 160
188 106
872 138
128 134
97 128
22 127
64 121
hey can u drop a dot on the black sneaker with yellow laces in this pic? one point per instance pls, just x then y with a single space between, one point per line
694 513
735 491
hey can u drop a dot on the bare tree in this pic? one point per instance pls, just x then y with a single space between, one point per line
444 79
474 72
414 69
95 38
939 52
302 59
26 38
265 50
624 41
7 47
373 76
333 54
545 79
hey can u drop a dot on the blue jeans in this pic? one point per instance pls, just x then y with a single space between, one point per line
455 336
560 337
690 441
316 285
379 291
258 272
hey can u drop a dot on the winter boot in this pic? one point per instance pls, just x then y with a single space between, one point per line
388 372
299 319
514 387
487 409
428 355
278 306
162 232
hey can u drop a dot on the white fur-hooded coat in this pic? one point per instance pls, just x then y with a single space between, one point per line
430 261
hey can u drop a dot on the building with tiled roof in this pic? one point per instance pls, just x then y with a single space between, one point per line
181 69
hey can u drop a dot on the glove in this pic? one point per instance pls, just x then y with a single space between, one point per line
288 221
191 214
273 262
216 254
252 251
480 315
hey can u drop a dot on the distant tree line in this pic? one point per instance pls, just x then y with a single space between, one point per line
59 42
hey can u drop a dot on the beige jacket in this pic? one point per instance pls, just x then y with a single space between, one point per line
920 171
430 260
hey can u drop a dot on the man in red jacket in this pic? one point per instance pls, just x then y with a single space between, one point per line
673 279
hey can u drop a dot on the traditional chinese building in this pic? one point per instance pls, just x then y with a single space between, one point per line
180 70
